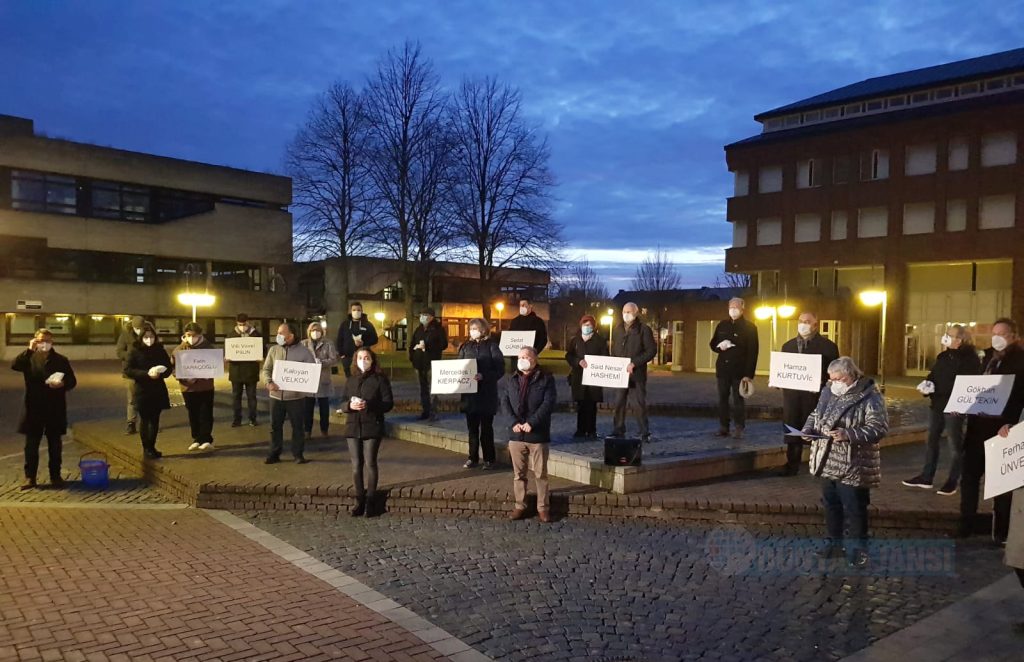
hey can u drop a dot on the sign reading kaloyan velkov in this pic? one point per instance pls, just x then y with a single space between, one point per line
297 376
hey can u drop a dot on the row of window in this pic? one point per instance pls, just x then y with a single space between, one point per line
996 149
994 212
943 94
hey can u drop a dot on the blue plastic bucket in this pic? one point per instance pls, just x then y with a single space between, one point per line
95 473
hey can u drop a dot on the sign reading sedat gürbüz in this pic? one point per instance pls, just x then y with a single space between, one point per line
800 372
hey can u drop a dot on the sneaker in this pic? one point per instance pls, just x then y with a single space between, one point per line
488 466
252 422
28 484
859 560
646 437
205 446
194 446
272 459
948 489
470 464
300 459
152 454
237 423
918 481
131 429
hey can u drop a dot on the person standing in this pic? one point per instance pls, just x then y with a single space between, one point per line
958 357
528 320
243 375
428 342
48 377
367 398
798 405
326 355
1014 555
198 393
735 342
480 407
634 340
357 331
285 404
529 398
588 341
148 365
130 333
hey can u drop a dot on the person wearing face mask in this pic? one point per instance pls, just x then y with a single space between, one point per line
1004 357
355 332
48 378
797 405
1014 554
429 340
846 428
957 358
243 375
198 393
588 341
143 368
634 340
367 398
529 398
480 407
327 356
528 320
130 334
735 342
290 405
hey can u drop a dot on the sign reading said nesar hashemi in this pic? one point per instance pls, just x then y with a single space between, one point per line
606 371
513 341
296 376
199 364
1004 463
800 372
243 349
980 394
453 376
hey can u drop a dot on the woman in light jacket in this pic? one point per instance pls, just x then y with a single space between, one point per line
326 355
481 407
367 398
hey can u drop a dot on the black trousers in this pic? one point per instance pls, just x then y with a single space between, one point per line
346 365
425 399
363 454
730 386
970 490
481 433
796 407
200 415
1020 576
295 412
54 448
149 427
846 513
635 396
586 417
236 399
325 413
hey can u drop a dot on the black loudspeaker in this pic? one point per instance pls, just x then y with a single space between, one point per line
620 452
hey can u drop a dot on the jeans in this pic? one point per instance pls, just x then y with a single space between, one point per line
149 426
132 410
236 394
363 454
54 448
635 395
481 433
586 417
200 415
325 414
295 412
954 427
846 513
730 386
533 457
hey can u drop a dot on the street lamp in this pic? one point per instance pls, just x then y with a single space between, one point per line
872 298
785 311
500 307
379 316
196 300
608 319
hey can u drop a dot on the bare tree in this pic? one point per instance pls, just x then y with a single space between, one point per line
500 184
581 284
733 280
328 163
657 273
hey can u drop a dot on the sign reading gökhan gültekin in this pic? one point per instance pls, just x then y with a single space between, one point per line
801 372
980 394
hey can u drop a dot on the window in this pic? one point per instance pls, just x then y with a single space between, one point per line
812 116
120 202
741 183
769 179
944 93
956 216
876 165
773 125
921 160
739 234
852 109
920 97
995 84
806 174
841 170
872 222
959 151
968 89
769 231
792 120
172 205
873 106
997 211
36 191
896 102
1018 80
393 292
832 113
999 149
839 225
807 228
919 218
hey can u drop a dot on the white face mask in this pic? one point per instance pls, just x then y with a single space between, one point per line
192 340
524 365
804 329
280 339
474 334
364 364
45 346
356 314
587 330
138 332
838 388
946 340
316 335
424 319
735 313
524 310
999 343
242 328
628 318
148 341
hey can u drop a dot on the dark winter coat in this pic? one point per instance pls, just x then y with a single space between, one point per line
375 388
193 385
244 372
436 342
636 343
950 363
578 348
535 408
150 394
125 342
531 322
739 361
346 344
980 428
490 364
861 412
800 403
46 409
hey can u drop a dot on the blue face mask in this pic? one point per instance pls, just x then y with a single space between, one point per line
587 330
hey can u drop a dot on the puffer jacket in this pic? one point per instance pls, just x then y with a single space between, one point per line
861 412
491 365
327 356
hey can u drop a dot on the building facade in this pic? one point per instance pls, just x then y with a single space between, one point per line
90 235
911 184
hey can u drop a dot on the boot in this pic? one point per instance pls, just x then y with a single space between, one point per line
360 507
372 507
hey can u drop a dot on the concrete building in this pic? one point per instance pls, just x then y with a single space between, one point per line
911 183
90 235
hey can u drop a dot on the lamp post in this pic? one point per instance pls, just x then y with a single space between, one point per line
500 307
608 319
196 300
379 316
872 298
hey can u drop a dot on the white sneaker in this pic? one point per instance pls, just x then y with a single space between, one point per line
194 446
205 446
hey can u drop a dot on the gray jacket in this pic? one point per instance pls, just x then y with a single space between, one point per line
327 356
297 352
861 412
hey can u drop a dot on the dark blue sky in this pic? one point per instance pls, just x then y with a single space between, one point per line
638 98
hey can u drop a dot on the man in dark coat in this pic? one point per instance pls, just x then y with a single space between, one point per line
528 320
798 405
243 375
428 342
130 334
634 340
356 332
735 342
48 378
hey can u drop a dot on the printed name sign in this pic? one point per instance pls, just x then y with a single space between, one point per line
453 376
513 341
296 376
801 372
979 394
606 371
243 349
1004 463
199 364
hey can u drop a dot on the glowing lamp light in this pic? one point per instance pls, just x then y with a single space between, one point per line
786 310
379 316
196 299
764 312
500 306
97 318
610 312
872 297
607 319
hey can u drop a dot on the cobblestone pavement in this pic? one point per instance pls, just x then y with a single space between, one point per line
602 590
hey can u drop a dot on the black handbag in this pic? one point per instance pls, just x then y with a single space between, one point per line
622 452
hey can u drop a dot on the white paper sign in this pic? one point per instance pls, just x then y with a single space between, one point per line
453 376
1004 463
244 349
800 372
296 376
199 364
606 371
980 394
513 341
